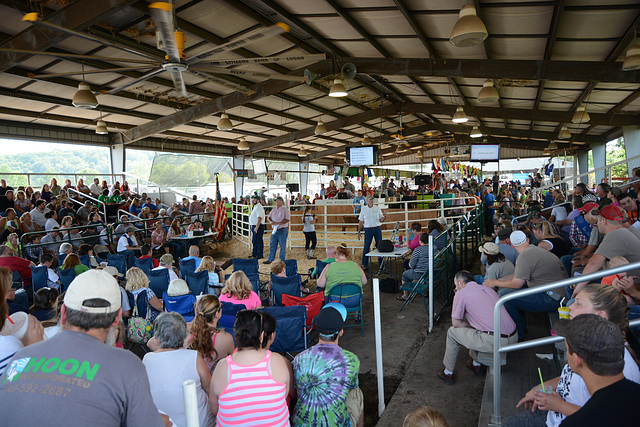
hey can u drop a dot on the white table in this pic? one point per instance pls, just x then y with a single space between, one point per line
398 252
207 234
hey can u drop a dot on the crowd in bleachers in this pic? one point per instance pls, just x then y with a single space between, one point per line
159 288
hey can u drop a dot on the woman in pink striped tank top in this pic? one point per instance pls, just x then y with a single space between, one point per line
250 387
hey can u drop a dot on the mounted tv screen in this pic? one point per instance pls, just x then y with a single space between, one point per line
485 153
362 156
260 167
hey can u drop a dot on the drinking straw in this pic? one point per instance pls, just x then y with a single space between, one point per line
562 302
541 382
12 322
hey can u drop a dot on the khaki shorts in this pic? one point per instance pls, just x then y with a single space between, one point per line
355 405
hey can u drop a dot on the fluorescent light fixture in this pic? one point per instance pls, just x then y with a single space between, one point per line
224 123
338 90
459 116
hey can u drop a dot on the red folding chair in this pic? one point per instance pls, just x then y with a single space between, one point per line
313 302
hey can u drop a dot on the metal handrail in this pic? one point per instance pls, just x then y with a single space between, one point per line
129 214
86 196
60 174
497 318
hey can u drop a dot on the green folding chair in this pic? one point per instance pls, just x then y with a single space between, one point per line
421 287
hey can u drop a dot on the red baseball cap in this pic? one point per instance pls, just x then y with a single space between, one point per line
588 207
612 213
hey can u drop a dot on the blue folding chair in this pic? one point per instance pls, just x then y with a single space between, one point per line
320 265
291 267
183 305
61 258
17 282
198 282
66 277
255 282
187 265
39 276
291 334
144 264
249 266
350 295
85 260
228 318
159 281
284 285
118 261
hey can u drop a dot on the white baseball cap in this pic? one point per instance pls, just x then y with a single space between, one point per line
93 284
517 238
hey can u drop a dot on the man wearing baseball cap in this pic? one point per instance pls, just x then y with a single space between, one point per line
618 241
74 377
256 224
595 351
326 377
498 266
536 267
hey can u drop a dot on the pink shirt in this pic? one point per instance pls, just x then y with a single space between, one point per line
476 303
415 242
252 303
279 214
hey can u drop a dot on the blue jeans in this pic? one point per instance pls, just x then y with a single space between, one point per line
279 238
257 241
370 234
634 312
534 303
568 265
131 255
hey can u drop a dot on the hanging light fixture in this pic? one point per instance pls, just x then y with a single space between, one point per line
338 90
459 116
469 30
475 132
632 59
564 133
243 145
488 94
224 123
581 115
366 140
101 126
302 152
84 98
320 128
419 154
552 146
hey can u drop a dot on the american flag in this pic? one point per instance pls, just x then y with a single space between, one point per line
219 212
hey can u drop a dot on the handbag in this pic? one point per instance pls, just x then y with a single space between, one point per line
140 329
385 246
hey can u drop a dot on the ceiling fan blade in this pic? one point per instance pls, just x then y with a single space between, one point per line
33 18
249 73
234 86
242 41
76 56
264 60
136 81
75 73
178 83
163 17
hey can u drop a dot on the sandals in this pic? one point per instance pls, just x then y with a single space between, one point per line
401 298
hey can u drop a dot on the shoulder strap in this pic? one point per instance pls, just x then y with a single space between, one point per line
583 226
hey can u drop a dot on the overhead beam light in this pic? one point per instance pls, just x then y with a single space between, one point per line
243 145
302 152
469 30
488 94
101 128
84 98
321 129
366 140
338 90
224 123
475 132
564 133
632 59
459 116
580 116
552 146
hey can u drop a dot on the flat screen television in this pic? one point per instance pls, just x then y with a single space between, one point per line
260 166
362 156
485 153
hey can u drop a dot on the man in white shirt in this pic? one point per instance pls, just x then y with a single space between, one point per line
370 219
166 261
95 188
37 213
127 245
256 224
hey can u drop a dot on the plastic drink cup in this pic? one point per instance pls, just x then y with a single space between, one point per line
548 389
400 239
19 326
563 312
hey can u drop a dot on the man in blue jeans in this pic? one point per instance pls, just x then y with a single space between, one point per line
370 219
279 219
256 224
535 266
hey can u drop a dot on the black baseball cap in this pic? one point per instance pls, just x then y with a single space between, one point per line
329 321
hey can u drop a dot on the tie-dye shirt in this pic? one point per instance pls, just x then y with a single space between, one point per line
323 376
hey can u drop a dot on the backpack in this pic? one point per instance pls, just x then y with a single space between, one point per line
140 329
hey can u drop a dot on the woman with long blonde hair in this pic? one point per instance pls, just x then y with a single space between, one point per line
212 343
238 290
138 283
208 264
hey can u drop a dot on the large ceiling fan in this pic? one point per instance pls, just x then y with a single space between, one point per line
176 63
